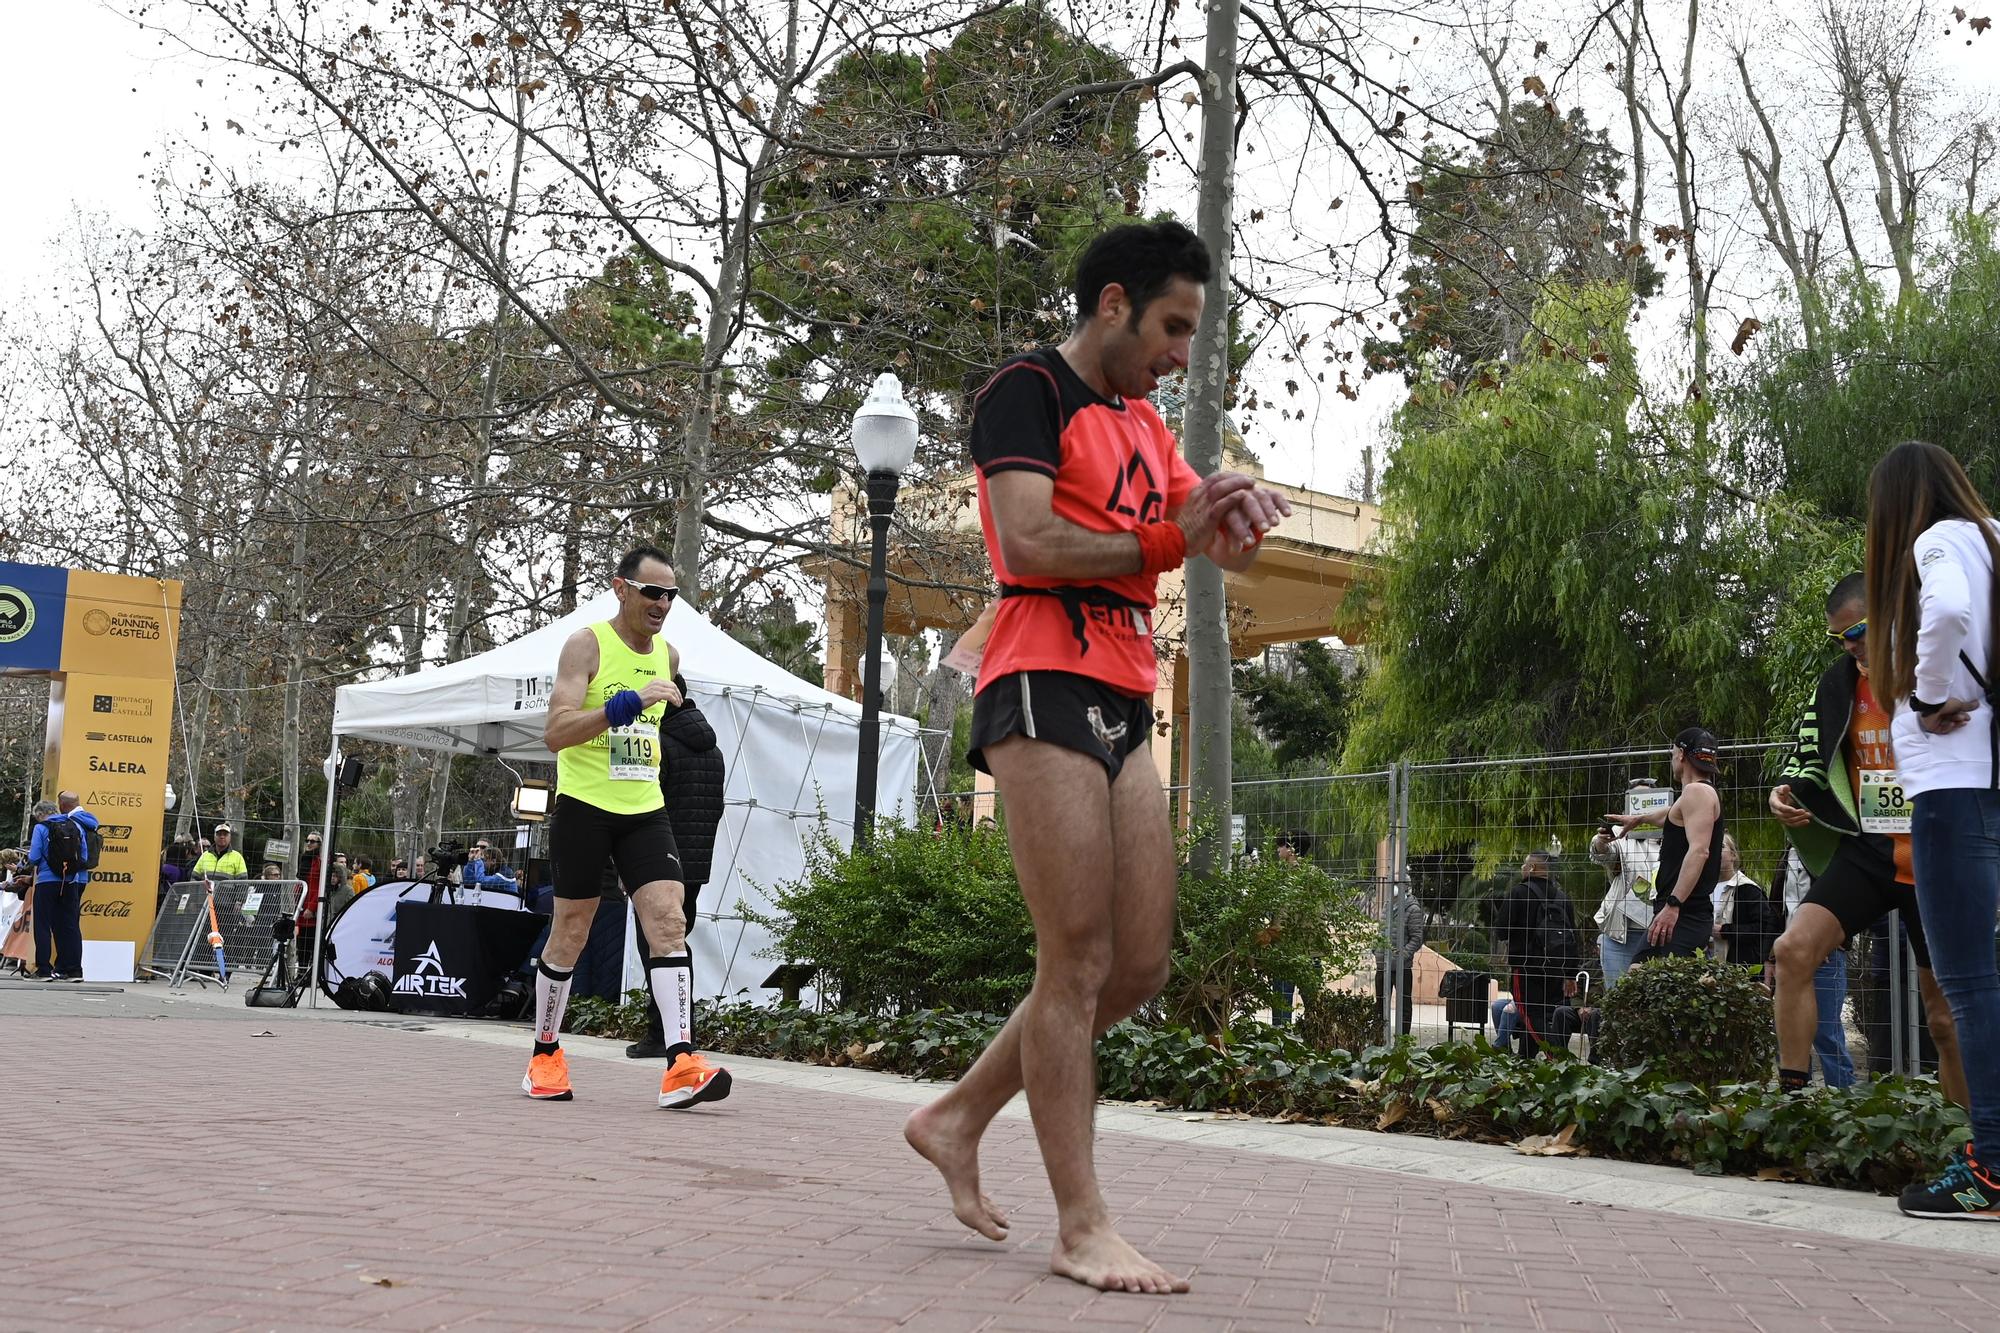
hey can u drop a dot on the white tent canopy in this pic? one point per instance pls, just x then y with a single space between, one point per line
790 748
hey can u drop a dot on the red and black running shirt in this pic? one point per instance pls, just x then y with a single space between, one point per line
1115 465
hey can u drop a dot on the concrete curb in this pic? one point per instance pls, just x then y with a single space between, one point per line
1585 1181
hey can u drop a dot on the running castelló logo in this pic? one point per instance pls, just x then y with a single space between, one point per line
426 977
100 622
17 614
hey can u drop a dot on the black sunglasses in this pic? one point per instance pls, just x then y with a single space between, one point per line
653 592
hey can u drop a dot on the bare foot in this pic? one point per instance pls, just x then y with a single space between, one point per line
1103 1260
957 1160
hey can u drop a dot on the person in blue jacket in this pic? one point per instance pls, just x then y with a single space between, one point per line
485 870
59 883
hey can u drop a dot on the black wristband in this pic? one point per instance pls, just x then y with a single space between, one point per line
1922 709
1672 902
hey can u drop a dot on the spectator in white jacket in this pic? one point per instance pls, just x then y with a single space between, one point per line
1622 918
1933 548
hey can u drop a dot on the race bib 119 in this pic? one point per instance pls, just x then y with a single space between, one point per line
635 753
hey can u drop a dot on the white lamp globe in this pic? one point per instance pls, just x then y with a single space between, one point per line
885 428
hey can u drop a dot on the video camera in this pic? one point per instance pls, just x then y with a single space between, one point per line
446 859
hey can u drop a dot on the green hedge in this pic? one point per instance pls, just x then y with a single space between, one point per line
929 919
1691 1018
1877 1135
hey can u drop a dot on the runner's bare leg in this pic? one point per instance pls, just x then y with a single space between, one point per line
1104 911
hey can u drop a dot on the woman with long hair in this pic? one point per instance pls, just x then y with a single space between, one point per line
1933 605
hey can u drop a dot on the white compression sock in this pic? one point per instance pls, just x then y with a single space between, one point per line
551 1000
672 980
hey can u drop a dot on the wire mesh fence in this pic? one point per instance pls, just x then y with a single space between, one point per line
265 842
1434 848
1468 828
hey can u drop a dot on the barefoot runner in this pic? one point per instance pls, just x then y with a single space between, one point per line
613 685
1084 500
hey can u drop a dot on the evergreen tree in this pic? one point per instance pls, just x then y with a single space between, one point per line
1302 712
1499 229
1552 582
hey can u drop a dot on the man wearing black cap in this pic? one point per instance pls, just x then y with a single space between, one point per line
1690 852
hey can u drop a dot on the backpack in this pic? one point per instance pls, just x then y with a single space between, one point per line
72 848
1551 933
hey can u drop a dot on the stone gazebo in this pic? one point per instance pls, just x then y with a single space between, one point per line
939 579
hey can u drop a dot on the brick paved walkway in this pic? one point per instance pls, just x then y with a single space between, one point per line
154 1183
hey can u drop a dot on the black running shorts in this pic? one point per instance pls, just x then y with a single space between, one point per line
1860 888
584 838
1076 712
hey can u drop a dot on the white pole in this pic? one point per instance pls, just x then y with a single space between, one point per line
325 857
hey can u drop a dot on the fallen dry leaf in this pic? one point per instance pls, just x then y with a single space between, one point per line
1550 1145
1543 1145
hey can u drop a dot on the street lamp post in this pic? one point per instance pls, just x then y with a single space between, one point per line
885 442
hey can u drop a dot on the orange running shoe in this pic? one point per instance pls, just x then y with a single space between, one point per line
547 1079
691 1079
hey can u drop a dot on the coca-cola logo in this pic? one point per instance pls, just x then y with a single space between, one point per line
120 909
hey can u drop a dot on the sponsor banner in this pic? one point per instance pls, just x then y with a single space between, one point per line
427 978
31 616
119 626
531 693
362 938
113 734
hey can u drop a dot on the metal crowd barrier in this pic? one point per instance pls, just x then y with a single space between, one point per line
245 909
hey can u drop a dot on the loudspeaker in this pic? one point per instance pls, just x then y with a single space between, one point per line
351 770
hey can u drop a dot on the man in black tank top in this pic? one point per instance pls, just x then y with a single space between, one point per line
1690 852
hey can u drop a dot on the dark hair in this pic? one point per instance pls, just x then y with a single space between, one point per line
1915 486
1141 257
628 563
1852 589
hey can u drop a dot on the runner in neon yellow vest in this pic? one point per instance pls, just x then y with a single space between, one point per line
613 686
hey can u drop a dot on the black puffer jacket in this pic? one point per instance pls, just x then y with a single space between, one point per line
692 777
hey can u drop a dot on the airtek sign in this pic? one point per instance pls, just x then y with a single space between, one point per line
427 978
